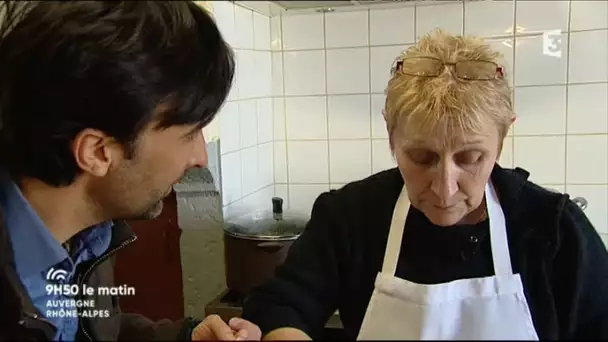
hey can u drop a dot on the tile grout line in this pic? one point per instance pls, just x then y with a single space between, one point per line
272 87
486 38
386 138
257 115
324 18
284 105
369 95
378 93
514 44
381 139
567 92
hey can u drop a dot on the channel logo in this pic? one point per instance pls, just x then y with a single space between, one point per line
55 275
552 43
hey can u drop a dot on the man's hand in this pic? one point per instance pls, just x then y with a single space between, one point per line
213 328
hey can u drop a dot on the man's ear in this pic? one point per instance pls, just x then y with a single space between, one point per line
94 151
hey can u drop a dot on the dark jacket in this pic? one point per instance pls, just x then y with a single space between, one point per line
562 261
20 320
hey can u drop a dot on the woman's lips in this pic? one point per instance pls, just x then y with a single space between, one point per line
446 208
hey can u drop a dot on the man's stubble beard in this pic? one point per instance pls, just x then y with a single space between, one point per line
152 212
125 208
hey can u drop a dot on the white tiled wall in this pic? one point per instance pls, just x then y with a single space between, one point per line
329 72
246 120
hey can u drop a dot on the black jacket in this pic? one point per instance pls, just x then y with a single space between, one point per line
561 258
21 321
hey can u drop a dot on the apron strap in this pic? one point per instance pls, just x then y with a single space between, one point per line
395 234
498 233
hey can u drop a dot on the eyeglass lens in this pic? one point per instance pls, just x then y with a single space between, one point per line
430 67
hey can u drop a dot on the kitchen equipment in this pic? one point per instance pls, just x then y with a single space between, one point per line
256 243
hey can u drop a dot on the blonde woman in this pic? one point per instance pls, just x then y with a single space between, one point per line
449 245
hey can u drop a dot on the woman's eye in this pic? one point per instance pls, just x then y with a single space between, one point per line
469 157
422 157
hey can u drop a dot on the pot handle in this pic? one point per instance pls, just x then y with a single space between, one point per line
271 246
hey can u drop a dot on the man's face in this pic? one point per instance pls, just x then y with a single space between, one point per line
135 188
446 178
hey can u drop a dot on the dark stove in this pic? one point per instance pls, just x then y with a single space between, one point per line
229 304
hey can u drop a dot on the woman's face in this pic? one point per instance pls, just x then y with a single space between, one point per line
446 176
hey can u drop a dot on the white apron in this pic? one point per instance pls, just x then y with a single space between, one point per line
489 308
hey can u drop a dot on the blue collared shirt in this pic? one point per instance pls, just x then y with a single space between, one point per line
37 253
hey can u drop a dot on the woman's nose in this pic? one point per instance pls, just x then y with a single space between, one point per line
445 185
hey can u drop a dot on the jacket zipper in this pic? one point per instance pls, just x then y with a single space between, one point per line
92 267
38 318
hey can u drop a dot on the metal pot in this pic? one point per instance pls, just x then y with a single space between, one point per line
256 243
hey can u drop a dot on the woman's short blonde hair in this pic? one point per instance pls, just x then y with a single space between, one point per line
447 103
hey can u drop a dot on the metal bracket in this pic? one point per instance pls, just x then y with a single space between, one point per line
581 202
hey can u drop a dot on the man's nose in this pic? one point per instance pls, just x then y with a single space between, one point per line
200 158
445 182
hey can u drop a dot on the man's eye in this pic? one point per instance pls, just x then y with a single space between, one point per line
191 135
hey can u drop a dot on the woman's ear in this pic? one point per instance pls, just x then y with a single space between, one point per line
500 146
512 121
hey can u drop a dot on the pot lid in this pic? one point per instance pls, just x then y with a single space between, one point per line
274 223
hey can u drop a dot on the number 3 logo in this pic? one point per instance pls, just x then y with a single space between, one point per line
552 43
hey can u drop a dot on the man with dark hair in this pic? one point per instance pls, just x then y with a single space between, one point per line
102 105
